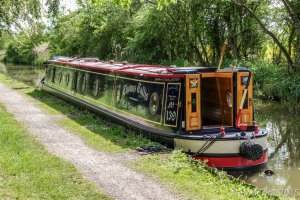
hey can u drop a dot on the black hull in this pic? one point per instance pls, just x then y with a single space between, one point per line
166 139
245 169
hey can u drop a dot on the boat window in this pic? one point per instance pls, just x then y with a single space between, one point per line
118 94
229 99
96 87
154 103
60 77
74 81
67 79
194 102
53 74
48 73
245 106
244 80
84 84
79 81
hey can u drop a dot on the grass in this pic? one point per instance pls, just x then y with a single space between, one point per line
189 178
193 179
28 171
95 131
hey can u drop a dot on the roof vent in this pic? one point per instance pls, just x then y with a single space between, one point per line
125 63
90 59
65 59
111 62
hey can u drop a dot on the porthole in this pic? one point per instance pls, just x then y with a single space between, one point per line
60 77
84 84
48 72
118 94
229 99
154 103
96 88
78 83
67 79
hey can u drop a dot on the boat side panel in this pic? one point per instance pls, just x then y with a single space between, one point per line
110 115
142 99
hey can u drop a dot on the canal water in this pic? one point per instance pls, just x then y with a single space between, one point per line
284 137
30 75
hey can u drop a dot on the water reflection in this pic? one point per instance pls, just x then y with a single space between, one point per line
284 149
30 75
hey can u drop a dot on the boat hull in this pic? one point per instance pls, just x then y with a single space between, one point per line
222 154
234 162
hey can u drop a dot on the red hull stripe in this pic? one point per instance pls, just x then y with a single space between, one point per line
239 161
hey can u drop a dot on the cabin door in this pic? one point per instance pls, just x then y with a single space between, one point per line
192 102
247 110
217 100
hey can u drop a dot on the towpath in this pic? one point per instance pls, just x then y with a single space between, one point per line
105 170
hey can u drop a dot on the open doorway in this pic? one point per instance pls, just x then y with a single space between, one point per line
217 106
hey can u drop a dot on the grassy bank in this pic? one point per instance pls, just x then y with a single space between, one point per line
195 180
95 131
28 171
192 180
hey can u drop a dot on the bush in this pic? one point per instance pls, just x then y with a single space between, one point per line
28 47
274 83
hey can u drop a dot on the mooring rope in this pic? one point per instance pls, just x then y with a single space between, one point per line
207 144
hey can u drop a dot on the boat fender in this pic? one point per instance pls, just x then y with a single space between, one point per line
251 151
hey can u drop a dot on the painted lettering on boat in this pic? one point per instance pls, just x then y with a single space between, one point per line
167 79
140 89
172 104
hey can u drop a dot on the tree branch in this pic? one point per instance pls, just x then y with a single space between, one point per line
268 32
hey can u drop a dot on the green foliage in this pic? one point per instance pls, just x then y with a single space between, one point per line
181 31
28 171
5 37
14 11
272 82
28 47
171 32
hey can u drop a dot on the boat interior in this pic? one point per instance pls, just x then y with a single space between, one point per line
216 102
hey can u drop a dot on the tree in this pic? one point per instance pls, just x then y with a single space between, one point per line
12 11
294 16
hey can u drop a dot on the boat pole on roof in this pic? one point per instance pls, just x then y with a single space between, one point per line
217 78
222 55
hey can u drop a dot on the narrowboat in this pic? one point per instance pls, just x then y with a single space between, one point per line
205 111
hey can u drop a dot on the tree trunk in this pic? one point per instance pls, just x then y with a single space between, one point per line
290 40
268 32
198 54
296 21
204 50
297 53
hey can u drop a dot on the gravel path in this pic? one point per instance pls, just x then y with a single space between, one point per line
103 169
